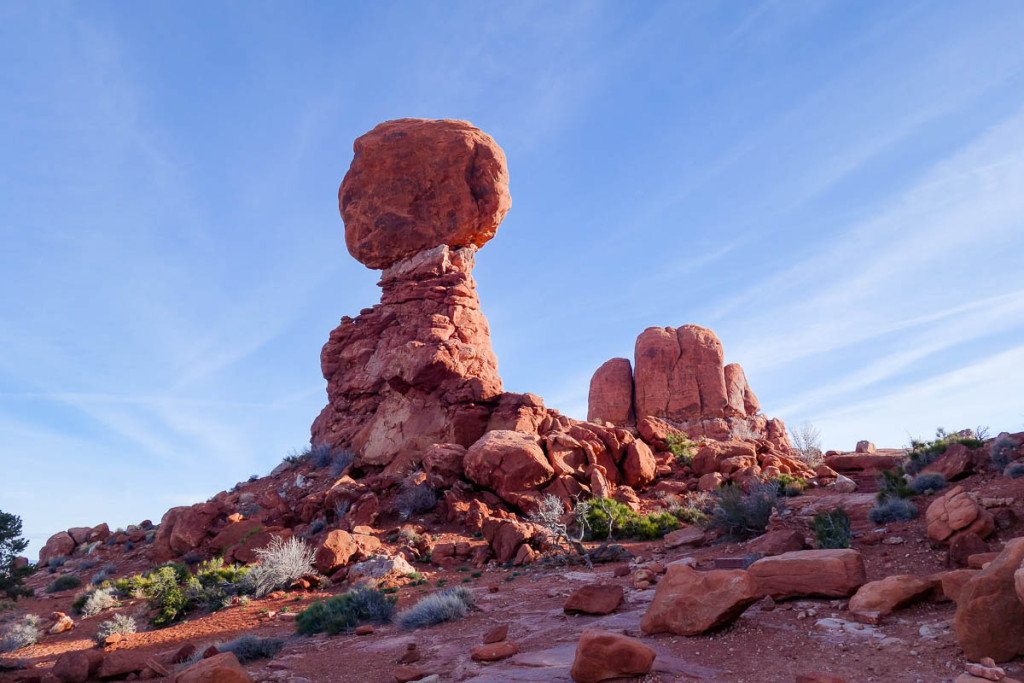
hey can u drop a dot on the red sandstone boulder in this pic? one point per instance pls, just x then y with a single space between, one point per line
59 545
415 184
639 467
594 599
989 616
679 374
953 582
878 599
777 542
505 536
335 551
220 668
956 463
492 652
807 573
443 462
689 602
508 463
611 394
957 512
76 666
601 655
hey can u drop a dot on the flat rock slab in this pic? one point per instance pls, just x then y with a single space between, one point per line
553 665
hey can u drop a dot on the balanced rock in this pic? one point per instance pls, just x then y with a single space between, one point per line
688 602
808 573
878 599
601 655
59 545
415 184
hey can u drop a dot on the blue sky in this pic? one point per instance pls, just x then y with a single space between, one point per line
834 187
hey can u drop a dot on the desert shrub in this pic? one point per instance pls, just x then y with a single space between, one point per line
98 600
893 484
280 563
120 623
928 483
54 562
11 545
1014 470
607 517
249 648
681 447
831 529
20 634
806 439
743 514
64 583
450 604
215 584
923 453
166 594
789 485
693 508
317 526
892 510
103 574
413 500
345 612
1002 451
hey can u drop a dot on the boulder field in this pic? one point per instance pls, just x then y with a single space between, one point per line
422 467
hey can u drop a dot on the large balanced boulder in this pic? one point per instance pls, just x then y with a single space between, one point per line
415 184
878 599
601 655
808 573
688 602
989 616
955 512
508 463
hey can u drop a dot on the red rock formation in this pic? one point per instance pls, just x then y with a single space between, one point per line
679 377
611 393
416 184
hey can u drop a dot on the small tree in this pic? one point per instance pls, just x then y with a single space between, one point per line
807 440
11 545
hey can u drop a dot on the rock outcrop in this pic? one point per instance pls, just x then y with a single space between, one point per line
680 376
417 369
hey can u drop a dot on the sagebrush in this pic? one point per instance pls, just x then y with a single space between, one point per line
447 605
345 612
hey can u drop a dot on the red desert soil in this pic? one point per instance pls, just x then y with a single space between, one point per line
796 637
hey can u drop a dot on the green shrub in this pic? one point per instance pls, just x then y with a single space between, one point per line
682 448
345 612
743 514
604 515
892 484
928 483
692 509
892 510
64 583
20 634
789 485
450 604
120 623
831 529
249 648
